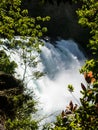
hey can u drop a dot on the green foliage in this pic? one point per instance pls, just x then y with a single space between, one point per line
91 65
70 88
6 65
21 31
15 21
23 108
17 104
88 16
21 124
87 116
60 128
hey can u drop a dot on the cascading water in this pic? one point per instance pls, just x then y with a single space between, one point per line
60 63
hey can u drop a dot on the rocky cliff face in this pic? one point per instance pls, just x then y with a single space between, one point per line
64 21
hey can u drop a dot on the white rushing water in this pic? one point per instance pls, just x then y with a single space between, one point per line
61 63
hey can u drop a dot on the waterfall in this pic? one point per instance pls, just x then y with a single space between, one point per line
60 62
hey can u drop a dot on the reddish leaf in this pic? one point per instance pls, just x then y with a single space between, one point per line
71 105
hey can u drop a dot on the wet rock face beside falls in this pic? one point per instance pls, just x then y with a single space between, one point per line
64 21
